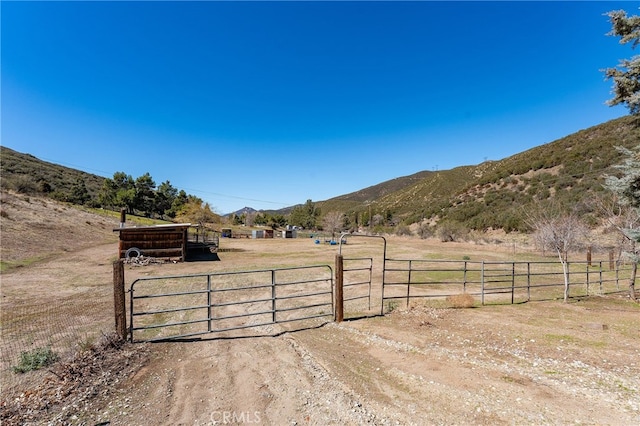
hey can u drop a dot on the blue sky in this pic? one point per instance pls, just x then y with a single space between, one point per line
268 104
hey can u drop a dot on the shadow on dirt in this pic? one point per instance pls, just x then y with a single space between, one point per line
202 256
238 337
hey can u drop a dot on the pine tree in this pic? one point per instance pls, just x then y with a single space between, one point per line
626 76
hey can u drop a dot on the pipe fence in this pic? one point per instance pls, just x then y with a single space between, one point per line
498 281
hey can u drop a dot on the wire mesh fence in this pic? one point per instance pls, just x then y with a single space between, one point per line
61 325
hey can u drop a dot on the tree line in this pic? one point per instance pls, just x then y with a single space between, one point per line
142 197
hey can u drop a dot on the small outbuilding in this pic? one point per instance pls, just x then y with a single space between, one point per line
154 241
290 233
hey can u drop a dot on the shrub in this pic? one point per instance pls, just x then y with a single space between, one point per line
451 231
392 305
24 185
425 230
403 230
35 359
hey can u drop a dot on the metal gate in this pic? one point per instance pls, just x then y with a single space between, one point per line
182 306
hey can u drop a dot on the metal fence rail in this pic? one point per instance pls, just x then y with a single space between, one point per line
182 306
357 275
497 281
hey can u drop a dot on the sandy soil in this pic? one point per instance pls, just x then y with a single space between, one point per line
534 363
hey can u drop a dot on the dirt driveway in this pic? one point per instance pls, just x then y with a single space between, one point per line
534 363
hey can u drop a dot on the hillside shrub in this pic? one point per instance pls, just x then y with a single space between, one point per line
449 231
425 230
403 230
23 184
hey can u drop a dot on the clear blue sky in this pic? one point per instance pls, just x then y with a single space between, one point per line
268 104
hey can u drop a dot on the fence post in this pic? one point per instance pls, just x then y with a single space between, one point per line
208 302
611 259
482 283
274 306
513 282
338 314
464 278
119 299
528 281
601 277
409 285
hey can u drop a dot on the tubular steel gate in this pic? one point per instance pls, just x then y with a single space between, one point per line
172 307
358 274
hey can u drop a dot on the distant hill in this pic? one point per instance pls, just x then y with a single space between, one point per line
28 174
244 210
493 194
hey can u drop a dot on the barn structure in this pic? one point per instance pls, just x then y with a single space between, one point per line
169 240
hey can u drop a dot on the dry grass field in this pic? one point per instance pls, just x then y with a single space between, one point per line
531 363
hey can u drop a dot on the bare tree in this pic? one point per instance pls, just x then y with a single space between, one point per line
250 218
377 220
333 221
625 220
560 232
626 189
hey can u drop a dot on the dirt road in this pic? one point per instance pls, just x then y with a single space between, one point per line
421 366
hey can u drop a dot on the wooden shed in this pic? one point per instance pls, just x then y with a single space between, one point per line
155 241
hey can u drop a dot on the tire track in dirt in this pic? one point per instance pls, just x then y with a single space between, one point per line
349 374
269 380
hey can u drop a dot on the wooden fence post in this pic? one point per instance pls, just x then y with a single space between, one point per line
611 259
338 315
119 299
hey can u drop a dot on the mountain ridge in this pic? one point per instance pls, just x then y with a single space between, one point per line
481 196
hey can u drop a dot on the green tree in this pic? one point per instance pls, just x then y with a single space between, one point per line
305 215
178 203
166 194
118 192
197 212
79 193
145 196
238 219
261 219
276 221
626 76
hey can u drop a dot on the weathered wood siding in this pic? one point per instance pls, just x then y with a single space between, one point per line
160 241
